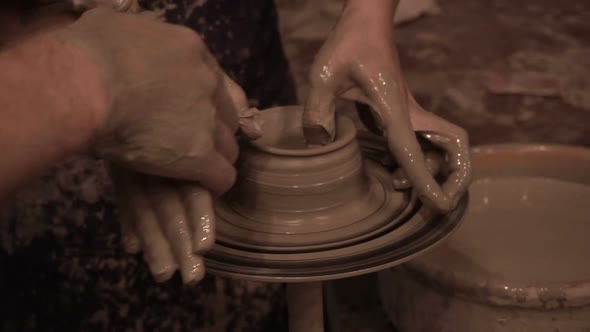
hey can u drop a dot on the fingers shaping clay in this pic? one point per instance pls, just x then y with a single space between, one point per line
300 212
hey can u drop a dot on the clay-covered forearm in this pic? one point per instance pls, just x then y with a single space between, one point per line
50 105
376 10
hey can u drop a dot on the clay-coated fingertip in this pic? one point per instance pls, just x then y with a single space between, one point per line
441 205
163 274
194 280
201 247
317 134
193 273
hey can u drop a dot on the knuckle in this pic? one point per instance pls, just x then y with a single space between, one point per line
209 78
320 74
203 147
462 135
190 38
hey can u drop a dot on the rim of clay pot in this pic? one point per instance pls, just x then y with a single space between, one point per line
346 132
506 293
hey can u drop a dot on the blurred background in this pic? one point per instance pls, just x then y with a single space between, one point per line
507 71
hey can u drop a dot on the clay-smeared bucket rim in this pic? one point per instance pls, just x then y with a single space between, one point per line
486 289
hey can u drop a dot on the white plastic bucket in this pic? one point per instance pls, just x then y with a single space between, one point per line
521 259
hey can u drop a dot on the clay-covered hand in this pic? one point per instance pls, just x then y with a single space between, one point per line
162 93
449 138
359 62
171 221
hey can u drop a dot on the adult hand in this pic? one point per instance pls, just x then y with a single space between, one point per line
449 138
359 61
162 90
171 221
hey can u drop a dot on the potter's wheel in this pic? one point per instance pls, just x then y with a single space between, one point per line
416 235
307 214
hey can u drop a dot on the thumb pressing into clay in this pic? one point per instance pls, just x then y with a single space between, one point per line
231 101
319 121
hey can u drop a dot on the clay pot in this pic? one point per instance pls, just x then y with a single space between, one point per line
520 260
301 213
286 187
285 182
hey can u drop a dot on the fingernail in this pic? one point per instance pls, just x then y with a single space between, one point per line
163 273
193 270
317 135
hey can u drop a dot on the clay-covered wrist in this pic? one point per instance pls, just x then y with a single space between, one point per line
371 11
78 83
